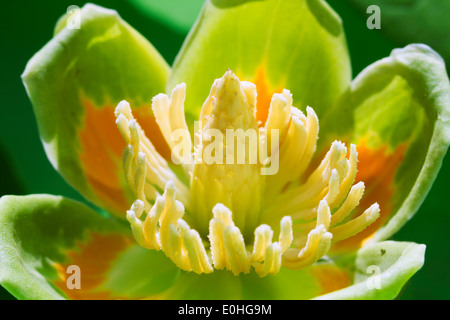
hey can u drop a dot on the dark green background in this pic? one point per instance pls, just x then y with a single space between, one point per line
27 25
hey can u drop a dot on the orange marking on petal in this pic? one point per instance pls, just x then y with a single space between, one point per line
264 95
102 148
94 258
330 278
377 169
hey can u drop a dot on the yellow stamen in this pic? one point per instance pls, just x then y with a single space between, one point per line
142 152
356 225
317 245
164 229
349 204
232 209
169 116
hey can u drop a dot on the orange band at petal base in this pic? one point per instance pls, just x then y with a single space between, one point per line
94 259
101 153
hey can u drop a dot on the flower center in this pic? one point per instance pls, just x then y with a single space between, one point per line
246 183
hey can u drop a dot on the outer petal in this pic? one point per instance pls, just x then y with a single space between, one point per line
294 44
382 270
397 113
43 235
76 81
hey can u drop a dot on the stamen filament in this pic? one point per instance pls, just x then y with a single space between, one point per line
356 225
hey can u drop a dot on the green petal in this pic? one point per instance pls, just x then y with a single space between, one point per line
382 270
75 82
42 235
293 44
36 232
397 113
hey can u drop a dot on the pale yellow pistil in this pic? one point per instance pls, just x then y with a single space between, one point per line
226 217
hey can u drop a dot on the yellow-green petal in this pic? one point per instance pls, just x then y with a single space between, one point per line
295 44
381 271
75 82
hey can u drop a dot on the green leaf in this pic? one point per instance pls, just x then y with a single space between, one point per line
75 82
397 112
413 21
382 269
293 44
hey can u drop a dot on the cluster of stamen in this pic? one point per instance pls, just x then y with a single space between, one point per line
206 225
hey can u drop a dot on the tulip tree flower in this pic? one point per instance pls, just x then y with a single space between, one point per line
356 159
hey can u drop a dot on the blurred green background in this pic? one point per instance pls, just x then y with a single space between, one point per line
27 25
